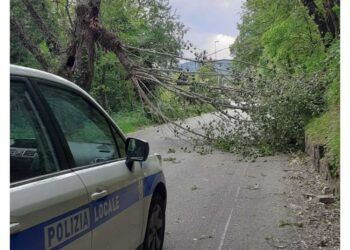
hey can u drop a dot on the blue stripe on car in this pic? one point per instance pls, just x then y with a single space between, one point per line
148 184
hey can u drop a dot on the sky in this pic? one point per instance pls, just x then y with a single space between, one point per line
209 21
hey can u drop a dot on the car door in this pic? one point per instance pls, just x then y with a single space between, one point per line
48 202
115 192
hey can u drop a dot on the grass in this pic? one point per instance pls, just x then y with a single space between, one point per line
326 130
130 121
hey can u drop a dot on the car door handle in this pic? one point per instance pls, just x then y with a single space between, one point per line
98 195
14 228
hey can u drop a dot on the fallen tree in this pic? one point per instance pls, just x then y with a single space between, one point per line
262 110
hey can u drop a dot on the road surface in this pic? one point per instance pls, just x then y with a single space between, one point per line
216 201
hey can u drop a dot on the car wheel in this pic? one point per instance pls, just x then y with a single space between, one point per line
154 236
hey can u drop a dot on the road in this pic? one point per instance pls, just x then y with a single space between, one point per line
216 201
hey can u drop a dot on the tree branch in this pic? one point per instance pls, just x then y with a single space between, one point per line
66 7
190 59
111 42
51 40
16 28
157 111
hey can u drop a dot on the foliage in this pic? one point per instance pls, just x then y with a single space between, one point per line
176 107
130 121
279 34
146 24
294 83
275 116
206 74
110 87
54 15
325 129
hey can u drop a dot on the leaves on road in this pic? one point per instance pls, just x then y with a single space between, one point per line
284 223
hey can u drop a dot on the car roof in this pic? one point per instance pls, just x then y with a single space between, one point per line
29 72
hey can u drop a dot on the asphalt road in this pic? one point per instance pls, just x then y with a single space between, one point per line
216 201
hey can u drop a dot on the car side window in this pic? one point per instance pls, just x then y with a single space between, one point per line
86 130
31 152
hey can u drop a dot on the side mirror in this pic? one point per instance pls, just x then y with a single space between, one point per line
136 150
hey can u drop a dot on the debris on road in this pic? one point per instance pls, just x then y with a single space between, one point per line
253 187
171 151
178 221
203 236
251 176
284 223
194 187
171 159
326 190
276 243
308 195
214 180
326 199
320 213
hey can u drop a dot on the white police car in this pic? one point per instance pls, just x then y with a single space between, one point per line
76 182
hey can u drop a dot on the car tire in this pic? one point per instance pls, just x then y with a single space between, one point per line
154 236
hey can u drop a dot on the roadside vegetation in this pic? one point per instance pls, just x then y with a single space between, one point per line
294 47
130 121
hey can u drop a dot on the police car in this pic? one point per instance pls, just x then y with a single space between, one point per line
76 181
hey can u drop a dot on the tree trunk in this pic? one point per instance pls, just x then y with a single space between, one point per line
329 22
332 19
78 62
